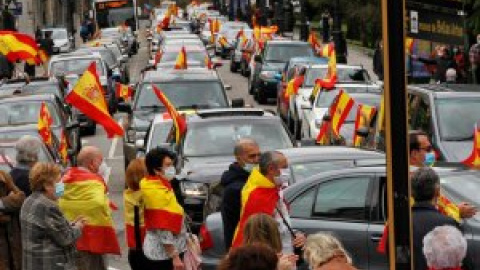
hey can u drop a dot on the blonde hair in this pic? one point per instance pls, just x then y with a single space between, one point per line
321 248
42 173
136 170
262 228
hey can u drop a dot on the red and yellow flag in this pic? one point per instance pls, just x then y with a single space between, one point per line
63 147
132 199
44 124
331 77
259 195
178 121
322 137
364 117
240 34
86 195
162 211
181 62
312 39
293 86
87 96
327 49
474 159
340 110
18 46
158 57
223 41
165 23
123 91
208 62
409 43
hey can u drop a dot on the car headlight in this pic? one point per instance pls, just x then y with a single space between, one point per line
268 75
194 189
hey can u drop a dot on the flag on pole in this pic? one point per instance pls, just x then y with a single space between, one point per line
340 110
322 137
123 91
181 62
474 159
223 42
327 50
158 57
331 77
312 39
293 86
18 46
178 121
63 147
44 124
208 62
364 117
87 96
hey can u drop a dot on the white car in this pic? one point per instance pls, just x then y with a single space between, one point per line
62 40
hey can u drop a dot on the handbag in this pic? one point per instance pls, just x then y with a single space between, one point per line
296 250
191 258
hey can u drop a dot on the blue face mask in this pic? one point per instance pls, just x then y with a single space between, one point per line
59 189
429 159
249 167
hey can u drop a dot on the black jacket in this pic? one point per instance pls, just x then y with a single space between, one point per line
232 181
425 217
21 180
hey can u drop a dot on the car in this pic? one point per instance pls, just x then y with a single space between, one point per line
62 40
351 204
24 110
117 71
36 85
181 42
77 63
126 36
238 50
230 36
272 60
158 40
207 148
107 42
186 89
448 113
196 56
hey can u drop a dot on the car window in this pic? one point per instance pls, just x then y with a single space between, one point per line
159 134
303 170
457 117
284 53
344 75
325 98
74 66
19 113
343 198
43 89
194 57
423 117
301 206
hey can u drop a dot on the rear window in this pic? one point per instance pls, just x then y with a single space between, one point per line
283 53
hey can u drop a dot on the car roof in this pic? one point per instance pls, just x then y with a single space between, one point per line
76 55
27 97
33 81
180 75
448 90
232 113
330 152
188 48
308 60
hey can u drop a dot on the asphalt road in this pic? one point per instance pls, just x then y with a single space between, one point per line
113 150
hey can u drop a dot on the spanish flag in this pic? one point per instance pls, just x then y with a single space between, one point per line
331 77
223 42
323 136
316 89
208 62
86 195
364 117
409 43
240 34
158 57
87 96
257 33
18 46
340 110
63 147
259 195
474 159
44 124
132 199
165 23
178 121
312 39
181 62
123 91
293 86
162 211
327 50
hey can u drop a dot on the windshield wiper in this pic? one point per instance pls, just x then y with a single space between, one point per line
154 107
459 139
194 107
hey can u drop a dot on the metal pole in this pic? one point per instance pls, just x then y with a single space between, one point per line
398 184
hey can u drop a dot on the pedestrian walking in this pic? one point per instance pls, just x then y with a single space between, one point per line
324 252
247 154
86 195
166 233
47 43
444 248
325 26
250 257
134 221
425 216
84 31
378 60
11 200
28 149
48 239
474 56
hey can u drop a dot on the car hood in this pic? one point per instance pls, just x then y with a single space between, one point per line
205 169
457 151
276 66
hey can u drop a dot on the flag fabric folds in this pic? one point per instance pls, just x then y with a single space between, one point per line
18 46
44 124
178 121
132 199
123 91
208 62
474 159
161 209
223 42
63 147
86 195
313 40
293 86
340 110
181 62
364 117
87 96
322 137
259 195
331 77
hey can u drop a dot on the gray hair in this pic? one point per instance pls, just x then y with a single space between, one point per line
321 247
28 148
240 145
269 158
444 247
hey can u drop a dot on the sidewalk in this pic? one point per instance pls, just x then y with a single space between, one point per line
357 56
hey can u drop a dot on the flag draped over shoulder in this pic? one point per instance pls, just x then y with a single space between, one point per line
87 96
474 159
340 110
162 211
123 91
86 195
181 62
131 200
364 116
18 46
44 124
178 121
259 195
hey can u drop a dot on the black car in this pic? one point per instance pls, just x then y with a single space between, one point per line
272 60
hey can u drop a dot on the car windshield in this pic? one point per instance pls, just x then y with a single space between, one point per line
462 188
186 94
218 138
457 117
74 66
344 75
193 57
283 53
24 112
159 134
107 56
59 34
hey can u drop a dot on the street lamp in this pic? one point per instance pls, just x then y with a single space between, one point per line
338 39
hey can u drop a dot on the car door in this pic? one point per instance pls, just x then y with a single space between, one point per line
338 206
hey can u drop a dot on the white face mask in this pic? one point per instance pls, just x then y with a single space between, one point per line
169 172
283 178
103 170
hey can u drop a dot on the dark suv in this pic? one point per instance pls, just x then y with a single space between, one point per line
262 82
448 113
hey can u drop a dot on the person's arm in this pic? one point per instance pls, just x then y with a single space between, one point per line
426 60
168 240
59 230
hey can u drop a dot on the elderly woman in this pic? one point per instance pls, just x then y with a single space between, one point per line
165 240
48 239
444 248
324 252
27 148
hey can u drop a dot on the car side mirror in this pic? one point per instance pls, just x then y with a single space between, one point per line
72 125
258 58
238 103
124 107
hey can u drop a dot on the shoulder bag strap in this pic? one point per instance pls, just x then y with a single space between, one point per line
136 224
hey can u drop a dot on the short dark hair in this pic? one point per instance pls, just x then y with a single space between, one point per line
413 137
250 257
155 157
424 183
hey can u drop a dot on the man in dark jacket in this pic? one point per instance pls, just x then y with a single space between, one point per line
425 216
247 155
442 62
47 43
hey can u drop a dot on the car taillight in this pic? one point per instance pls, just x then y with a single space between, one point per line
206 241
